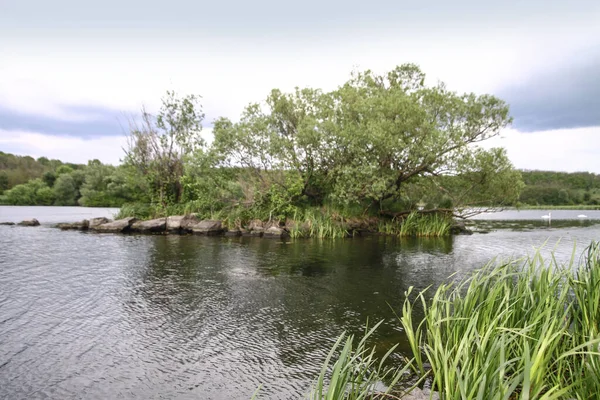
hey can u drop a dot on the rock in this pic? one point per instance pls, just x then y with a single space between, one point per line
254 233
256 225
151 226
275 232
234 232
118 226
174 223
421 394
7 223
81 225
94 222
459 228
29 222
208 227
188 222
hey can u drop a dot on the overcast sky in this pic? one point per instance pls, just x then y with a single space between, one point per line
71 72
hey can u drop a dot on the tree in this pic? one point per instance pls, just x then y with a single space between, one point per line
106 185
376 139
159 145
66 188
49 178
3 181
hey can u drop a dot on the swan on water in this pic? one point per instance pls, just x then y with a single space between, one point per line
582 216
549 216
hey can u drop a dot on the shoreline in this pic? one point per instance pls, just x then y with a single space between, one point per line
191 225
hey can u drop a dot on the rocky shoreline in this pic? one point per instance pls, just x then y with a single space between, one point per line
189 224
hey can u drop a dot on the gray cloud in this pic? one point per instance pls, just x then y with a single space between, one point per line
562 98
242 18
104 123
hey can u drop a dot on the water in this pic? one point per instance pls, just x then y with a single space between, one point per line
93 316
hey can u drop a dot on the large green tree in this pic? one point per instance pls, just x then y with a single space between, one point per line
376 139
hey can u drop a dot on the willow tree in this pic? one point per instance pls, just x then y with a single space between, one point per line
377 140
159 145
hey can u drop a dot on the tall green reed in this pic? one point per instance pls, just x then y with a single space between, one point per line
522 329
356 373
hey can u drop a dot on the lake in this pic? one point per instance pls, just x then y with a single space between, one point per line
102 316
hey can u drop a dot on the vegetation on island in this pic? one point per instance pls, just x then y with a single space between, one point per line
380 150
375 150
524 329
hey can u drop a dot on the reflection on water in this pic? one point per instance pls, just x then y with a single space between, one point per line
107 316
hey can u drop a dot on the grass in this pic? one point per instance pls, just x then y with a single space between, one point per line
527 329
317 224
417 225
356 372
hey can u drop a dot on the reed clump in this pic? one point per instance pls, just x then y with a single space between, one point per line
417 224
521 329
524 329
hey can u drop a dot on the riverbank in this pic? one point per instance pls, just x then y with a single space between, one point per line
414 225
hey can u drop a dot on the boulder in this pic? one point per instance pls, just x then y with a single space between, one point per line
188 222
151 226
459 228
118 226
174 223
256 225
29 222
7 223
254 233
94 222
81 225
208 227
275 232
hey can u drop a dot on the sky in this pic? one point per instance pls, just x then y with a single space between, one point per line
72 72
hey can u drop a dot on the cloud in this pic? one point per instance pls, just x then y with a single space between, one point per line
558 98
568 150
108 149
81 121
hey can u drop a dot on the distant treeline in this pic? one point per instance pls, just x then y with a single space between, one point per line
15 170
27 181
560 188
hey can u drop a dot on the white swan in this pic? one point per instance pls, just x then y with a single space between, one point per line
582 216
548 217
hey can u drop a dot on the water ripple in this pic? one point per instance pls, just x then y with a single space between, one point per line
150 317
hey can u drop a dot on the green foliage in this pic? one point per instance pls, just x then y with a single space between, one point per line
560 188
513 330
356 373
159 146
3 181
45 196
67 186
377 137
137 210
417 224
317 223
109 186
26 194
15 170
